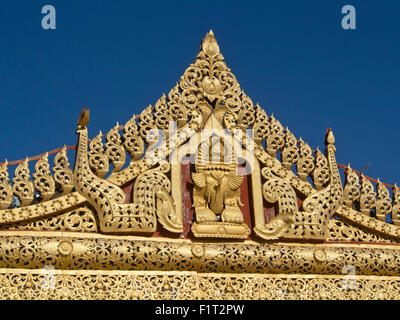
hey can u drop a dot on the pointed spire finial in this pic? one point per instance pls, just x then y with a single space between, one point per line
209 45
330 138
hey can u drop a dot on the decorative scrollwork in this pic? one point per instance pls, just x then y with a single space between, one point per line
146 122
78 220
23 187
276 189
98 160
114 149
290 153
247 113
6 192
261 127
43 180
207 90
339 230
34 250
62 172
396 205
133 143
368 196
149 285
383 203
305 164
321 171
352 187
109 200
161 114
275 138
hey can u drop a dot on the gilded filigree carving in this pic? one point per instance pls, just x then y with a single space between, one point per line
78 220
290 153
109 200
321 171
208 89
114 149
35 250
43 180
396 205
62 172
275 137
133 143
277 190
352 187
23 186
383 203
368 196
98 160
142 285
339 230
369 223
6 191
305 165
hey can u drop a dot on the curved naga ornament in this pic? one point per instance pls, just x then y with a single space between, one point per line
151 194
311 223
291 221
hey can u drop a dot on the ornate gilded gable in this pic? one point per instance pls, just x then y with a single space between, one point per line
202 185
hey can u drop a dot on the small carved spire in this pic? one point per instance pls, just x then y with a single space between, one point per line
209 45
305 164
368 196
275 140
43 181
396 205
23 187
161 114
352 187
330 138
132 141
98 160
383 204
261 115
247 113
63 172
290 153
114 150
6 192
146 122
177 109
321 172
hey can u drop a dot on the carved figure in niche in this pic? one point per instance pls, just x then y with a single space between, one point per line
217 189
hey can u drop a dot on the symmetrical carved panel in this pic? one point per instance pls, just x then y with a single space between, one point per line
301 188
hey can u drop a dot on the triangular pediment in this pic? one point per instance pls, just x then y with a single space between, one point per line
293 188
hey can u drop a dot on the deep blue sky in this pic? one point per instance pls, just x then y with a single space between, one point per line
116 57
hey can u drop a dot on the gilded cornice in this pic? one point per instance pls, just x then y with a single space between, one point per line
78 251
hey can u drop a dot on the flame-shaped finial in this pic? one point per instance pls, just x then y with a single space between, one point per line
209 45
